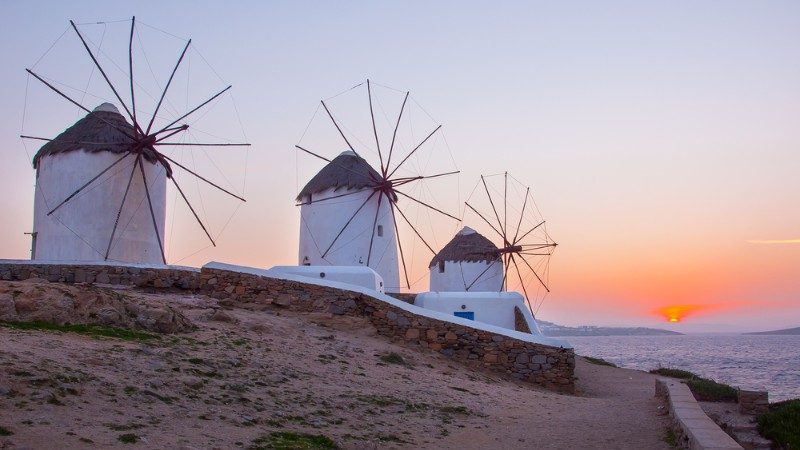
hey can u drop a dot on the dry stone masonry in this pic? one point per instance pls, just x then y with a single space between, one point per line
551 367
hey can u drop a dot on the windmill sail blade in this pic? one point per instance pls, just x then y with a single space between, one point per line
489 266
427 205
193 211
87 184
200 177
337 127
346 169
375 129
173 132
522 283
166 87
521 215
348 223
57 91
201 144
374 224
484 219
531 230
399 245
193 110
415 149
499 223
505 206
152 213
103 72
394 135
130 74
534 272
505 273
406 180
121 205
415 229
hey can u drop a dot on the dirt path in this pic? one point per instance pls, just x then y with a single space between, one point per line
614 410
244 375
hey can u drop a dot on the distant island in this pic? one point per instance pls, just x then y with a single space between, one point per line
551 329
785 331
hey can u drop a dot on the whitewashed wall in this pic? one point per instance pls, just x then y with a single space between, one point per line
91 214
354 275
493 308
457 275
321 221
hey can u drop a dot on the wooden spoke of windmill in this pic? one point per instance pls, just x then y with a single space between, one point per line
519 244
140 142
384 183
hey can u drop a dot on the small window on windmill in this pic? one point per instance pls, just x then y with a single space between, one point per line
306 262
380 230
441 266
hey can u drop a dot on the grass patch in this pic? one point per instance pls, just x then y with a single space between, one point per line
703 389
128 438
671 438
706 390
287 440
463 410
89 330
5 431
393 358
599 361
782 423
674 373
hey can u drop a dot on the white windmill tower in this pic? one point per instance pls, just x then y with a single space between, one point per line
468 263
81 232
333 229
473 278
101 184
350 209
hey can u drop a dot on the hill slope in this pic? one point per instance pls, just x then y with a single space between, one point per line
785 331
239 376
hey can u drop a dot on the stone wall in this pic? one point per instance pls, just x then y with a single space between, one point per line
753 402
156 277
551 367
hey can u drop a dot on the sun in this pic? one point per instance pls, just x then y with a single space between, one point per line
674 319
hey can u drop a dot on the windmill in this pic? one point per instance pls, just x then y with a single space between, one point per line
349 210
504 208
104 147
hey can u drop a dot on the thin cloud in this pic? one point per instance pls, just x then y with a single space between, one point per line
775 241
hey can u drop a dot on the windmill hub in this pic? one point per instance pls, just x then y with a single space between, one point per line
510 249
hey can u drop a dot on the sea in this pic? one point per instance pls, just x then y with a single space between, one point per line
745 361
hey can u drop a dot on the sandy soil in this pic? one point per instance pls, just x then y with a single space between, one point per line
244 374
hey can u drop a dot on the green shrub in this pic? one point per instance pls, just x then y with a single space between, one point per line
782 424
706 390
287 440
91 330
674 373
5 431
703 389
393 358
128 438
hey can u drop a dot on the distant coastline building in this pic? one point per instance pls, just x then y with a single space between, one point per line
81 229
337 217
468 263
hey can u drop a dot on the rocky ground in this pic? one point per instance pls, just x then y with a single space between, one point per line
197 375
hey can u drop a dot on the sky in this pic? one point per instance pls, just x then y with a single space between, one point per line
660 139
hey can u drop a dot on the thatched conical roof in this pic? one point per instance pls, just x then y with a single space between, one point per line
467 246
346 171
94 133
